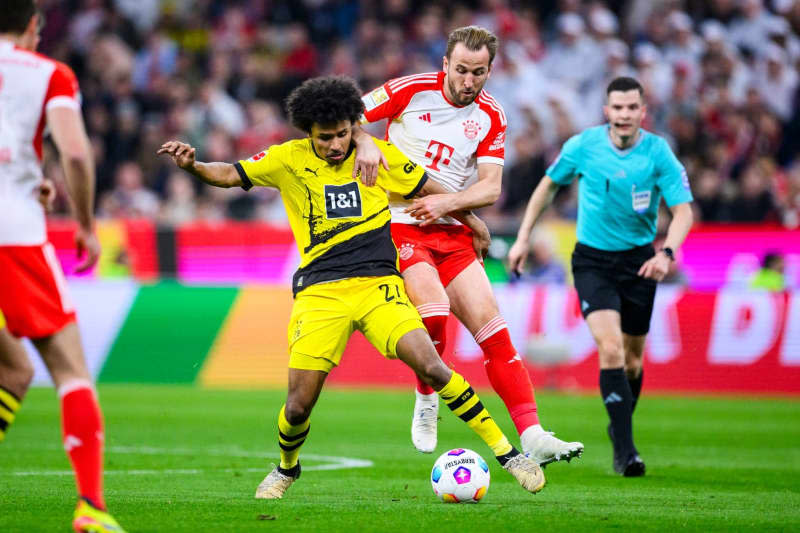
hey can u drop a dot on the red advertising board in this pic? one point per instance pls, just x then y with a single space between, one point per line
725 341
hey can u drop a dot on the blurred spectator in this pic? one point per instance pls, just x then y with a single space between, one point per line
708 197
770 276
684 47
775 81
573 59
179 206
301 56
543 267
526 172
750 31
721 80
129 198
754 202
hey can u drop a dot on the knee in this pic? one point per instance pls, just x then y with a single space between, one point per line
296 412
611 353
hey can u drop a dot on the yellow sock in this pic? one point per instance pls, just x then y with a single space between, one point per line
464 402
290 439
9 404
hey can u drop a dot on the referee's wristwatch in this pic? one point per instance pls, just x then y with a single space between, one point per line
668 252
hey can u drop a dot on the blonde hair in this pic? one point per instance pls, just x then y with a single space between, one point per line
474 38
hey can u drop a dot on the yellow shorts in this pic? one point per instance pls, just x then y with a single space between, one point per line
325 315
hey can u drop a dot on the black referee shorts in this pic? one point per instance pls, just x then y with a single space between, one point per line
610 280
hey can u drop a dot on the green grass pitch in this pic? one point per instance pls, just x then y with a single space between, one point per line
189 459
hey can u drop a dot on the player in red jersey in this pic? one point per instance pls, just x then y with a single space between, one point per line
36 91
447 123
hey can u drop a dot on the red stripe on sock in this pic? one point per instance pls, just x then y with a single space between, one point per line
82 431
510 379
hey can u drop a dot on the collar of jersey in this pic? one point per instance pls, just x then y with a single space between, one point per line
627 150
346 157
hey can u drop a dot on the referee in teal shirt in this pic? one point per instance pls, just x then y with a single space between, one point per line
622 171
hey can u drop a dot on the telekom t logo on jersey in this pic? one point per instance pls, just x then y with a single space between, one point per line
439 148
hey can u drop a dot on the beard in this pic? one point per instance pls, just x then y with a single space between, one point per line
460 99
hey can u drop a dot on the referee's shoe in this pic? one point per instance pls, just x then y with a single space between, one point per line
630 464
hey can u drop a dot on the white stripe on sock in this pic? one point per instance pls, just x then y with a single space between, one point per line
492 327
73 385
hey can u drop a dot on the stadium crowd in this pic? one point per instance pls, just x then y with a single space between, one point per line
721 79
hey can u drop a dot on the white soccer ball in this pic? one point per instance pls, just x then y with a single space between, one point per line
460 476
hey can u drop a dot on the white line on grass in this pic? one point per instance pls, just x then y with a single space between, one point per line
329 462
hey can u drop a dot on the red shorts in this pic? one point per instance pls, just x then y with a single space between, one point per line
33 291
446 247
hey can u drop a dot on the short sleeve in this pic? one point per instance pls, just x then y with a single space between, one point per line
404 177
62 90
268 168
672 179
492 148
390 99
565 167
377 104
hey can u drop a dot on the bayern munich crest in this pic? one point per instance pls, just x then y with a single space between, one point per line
471 129
406 251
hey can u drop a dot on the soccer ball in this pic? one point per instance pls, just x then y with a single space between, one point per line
460 476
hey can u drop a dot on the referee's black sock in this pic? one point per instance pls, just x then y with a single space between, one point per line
636 388
617 398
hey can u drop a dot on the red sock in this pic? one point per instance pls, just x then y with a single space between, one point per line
434 316
507 373
82 430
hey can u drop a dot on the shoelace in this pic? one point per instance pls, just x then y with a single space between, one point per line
520 462
427 417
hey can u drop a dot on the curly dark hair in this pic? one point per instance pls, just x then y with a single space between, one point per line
16 15
326 101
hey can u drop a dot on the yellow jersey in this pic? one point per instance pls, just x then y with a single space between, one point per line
341 227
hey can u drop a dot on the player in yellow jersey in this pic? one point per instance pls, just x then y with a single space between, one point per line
348 277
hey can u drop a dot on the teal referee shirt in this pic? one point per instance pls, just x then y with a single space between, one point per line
619 190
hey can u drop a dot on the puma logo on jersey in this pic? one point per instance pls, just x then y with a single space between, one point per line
425 117
312 171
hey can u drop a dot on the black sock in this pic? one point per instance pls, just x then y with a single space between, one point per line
616 393
636 388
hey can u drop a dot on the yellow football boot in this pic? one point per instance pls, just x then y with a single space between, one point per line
89 519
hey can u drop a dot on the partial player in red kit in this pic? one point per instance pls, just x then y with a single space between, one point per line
36 91
447 123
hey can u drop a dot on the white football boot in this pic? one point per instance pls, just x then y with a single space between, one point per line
526 472
275 484
425 421
544 448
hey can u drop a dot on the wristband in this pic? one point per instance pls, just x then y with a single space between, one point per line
668 252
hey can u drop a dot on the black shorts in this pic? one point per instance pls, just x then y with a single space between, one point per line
610 280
